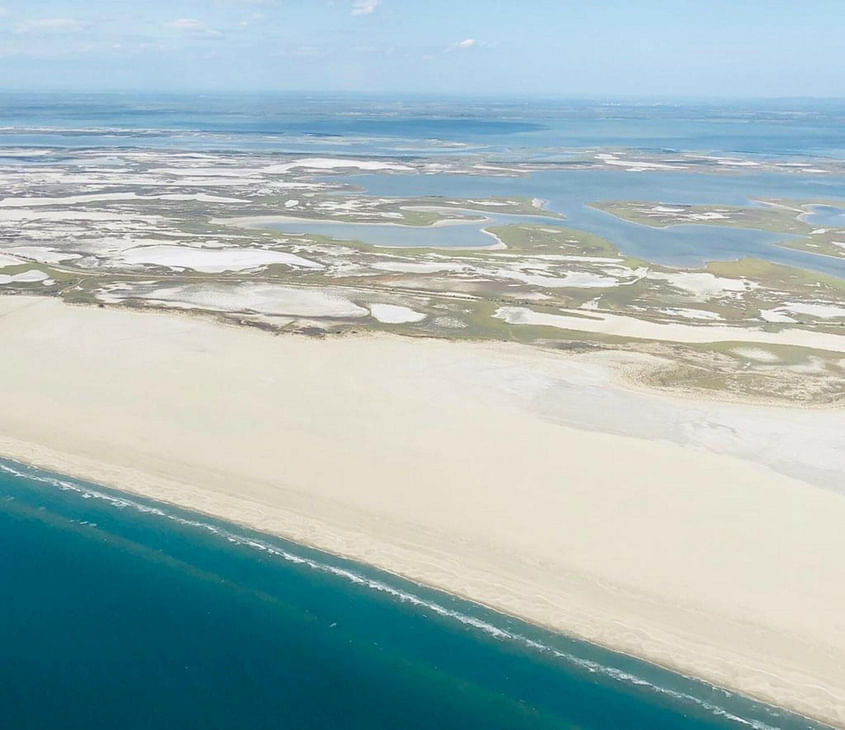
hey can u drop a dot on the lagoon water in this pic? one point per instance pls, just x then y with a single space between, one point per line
121 613
827 215
505 131
570 192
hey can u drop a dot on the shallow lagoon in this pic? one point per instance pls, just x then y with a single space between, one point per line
515 131
570 192
827 215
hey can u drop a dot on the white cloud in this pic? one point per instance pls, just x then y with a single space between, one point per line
364 7
251 19
469 43
190 26
186 24
302 52
50 25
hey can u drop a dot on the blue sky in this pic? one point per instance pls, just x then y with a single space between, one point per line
690 48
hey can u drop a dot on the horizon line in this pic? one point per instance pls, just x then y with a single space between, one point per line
610 97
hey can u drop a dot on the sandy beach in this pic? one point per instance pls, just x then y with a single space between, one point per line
706 537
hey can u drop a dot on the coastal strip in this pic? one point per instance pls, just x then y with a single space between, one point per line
534 674
411 455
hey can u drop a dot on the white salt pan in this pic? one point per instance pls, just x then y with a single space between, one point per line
395 314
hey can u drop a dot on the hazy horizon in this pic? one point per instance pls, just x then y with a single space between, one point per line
653 49
433 95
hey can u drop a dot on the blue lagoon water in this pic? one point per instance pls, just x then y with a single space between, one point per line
505 131
827 215
570 192
121 613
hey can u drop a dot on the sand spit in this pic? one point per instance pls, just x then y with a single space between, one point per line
458 465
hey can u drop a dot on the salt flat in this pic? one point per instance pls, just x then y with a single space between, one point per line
213 260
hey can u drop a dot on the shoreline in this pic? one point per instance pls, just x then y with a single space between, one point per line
447 482
268 222
667 666
262 221
623 668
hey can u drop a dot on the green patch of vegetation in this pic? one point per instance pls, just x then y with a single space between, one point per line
829 243
538 238
779 277
774 217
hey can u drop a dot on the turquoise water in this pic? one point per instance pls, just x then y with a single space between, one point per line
120 613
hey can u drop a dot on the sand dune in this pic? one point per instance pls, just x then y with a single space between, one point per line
483 469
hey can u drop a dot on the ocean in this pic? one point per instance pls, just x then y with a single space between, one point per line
527 129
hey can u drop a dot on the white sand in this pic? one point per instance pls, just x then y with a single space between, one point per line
416 267
686 313
442 462
703 285
331 163
42 255
261 221
710 215
24 202
7 260
213 260
822 311
395 313
22 215
25 277
571 279
635 165
776 316
271 299
623 326
812 309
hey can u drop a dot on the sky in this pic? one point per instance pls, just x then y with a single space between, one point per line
554 48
